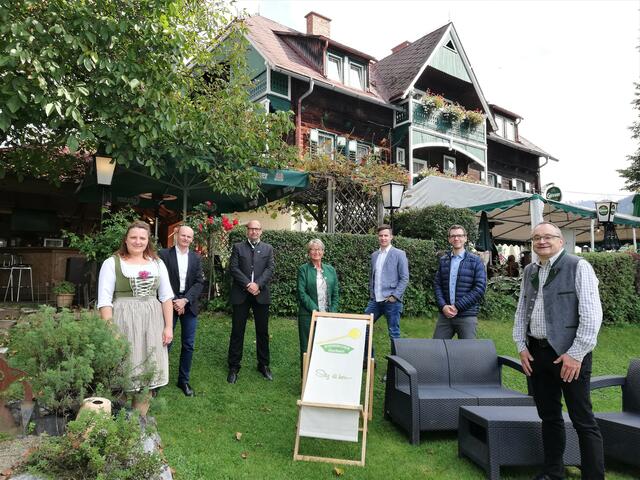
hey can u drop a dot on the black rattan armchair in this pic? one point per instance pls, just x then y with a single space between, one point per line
621 430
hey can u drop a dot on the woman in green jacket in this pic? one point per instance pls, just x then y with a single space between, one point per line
317 290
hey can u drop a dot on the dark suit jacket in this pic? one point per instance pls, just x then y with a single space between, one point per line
245 260
194 282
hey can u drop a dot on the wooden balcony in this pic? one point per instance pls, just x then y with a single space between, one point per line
435 123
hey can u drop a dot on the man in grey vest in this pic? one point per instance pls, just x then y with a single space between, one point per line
556 328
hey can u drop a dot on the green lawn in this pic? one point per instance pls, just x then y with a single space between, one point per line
199 434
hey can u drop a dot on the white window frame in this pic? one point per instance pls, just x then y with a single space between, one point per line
497 180
360 151
401 158
518 185
359 85
419 161
340 62
449 158
510 130
323 138
500 122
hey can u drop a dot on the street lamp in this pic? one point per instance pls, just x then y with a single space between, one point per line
105 166
606 211
392 197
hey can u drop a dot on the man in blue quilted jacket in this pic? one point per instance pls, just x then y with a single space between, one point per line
459 285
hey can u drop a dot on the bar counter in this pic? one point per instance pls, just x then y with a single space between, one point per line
48 264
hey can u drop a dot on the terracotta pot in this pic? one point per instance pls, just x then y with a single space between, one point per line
64 300
96 404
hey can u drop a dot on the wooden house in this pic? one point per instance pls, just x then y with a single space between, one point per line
346 101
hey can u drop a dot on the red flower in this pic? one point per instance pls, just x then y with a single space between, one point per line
208 203
143 274
210 220
235 222
200 227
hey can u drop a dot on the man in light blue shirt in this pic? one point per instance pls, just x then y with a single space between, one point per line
388 280
459 286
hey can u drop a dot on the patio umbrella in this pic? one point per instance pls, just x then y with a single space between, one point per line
636 205
485 242
181 191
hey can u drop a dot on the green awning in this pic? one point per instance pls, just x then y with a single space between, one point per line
173 188
564 207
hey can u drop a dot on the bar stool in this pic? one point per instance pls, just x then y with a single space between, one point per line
6 263
20 267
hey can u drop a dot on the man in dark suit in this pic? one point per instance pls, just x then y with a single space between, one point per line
187 281
251 267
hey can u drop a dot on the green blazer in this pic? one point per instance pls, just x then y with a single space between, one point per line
308 292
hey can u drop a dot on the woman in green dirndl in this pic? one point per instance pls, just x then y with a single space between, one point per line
135 294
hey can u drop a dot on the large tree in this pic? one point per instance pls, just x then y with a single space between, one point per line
157 82
632 173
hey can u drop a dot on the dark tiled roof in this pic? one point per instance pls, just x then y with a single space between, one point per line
498 109
395 72
522 144
263 33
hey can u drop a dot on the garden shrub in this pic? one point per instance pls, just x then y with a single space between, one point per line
617 275
351 257
500 299
102 243
99 447
432 223
68 359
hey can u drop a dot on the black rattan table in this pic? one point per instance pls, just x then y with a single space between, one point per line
494 436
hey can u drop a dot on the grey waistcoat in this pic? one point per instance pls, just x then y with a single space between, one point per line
560 300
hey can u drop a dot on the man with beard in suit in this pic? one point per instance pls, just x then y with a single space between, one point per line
251 267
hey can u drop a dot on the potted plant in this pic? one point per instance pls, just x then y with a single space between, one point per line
474 119
68 357
432 102
452 113
97 446
64 292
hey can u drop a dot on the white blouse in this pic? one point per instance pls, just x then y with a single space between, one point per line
107 279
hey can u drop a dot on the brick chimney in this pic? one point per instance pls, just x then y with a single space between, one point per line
318 24
399 47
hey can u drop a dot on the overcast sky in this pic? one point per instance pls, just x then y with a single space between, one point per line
567 67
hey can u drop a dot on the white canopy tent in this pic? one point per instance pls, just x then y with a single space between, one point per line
513 213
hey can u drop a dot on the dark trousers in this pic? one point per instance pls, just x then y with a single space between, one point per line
188 325
464 327
238 325
548 389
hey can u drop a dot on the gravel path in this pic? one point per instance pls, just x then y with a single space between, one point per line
13 451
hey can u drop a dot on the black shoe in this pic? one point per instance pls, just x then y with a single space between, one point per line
186 388
265 371
232 377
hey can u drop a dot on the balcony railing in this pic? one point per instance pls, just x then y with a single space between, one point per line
259 85
434 121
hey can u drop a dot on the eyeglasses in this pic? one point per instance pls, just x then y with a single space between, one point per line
316 250
256 229
545 238
457 236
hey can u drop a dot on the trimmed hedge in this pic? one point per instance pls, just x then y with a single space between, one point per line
432 223
617 275
350 255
